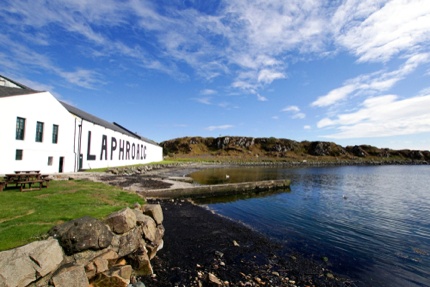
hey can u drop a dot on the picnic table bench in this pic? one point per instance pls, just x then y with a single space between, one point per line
22 179
27 171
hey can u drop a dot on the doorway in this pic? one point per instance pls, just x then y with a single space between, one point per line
61 163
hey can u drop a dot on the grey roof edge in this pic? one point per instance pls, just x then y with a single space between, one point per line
135 134
12 91
98 121
18 84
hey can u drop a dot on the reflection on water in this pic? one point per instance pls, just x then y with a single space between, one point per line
371 222
237 196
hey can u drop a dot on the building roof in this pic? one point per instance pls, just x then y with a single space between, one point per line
98 121
9 88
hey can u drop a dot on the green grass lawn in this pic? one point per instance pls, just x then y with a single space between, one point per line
27 216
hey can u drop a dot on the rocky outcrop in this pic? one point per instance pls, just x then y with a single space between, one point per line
266 149
88 251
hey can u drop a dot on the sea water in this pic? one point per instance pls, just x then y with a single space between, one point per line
372 223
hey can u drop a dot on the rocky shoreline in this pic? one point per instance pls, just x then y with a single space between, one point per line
204 249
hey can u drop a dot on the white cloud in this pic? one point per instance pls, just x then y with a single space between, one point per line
251 41
267 76
380 30
221 127
205 100
207 92
261 98
82 77
291 109
335 95
307 127
295 111
377 81
298 116
382 116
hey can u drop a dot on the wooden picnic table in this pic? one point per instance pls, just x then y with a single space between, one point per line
21 179
26 171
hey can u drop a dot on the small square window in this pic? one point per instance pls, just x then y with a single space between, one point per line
18 154
50 160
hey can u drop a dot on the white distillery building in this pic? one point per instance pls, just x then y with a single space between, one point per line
38 132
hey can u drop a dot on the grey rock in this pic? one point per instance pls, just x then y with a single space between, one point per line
82 234
122 221
155 211
23 265
70 276
130 242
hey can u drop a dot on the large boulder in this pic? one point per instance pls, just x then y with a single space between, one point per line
101 263
121 221
130 242
82 234
155 211
70 276
149 229
23 265
141 262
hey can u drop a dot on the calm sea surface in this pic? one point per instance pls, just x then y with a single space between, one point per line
372 223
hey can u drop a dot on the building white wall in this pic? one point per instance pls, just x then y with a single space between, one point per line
42 107
102 147
73 139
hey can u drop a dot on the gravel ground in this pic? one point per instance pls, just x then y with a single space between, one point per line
205 249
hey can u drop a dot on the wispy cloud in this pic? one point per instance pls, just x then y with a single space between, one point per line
380 30
261 98
207 92
294 111
250 40
205 100
221 127
369 83
382 116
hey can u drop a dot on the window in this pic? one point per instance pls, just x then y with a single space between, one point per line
39 132
55 134
50 160
18 154
20 128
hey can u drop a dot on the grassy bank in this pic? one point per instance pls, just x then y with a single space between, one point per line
27 216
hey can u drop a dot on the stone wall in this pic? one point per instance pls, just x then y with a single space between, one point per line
88 252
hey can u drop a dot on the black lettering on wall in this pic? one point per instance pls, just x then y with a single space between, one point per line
127 151
138 151
104 147
112 147
89 155
121 149
133 151
144 152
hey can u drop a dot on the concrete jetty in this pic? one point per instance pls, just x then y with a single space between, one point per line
196 191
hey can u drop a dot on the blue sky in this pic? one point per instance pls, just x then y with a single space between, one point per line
352 72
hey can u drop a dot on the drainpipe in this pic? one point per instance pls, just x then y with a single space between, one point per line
79 144
74 146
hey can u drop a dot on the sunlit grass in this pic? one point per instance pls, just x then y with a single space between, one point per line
27 216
